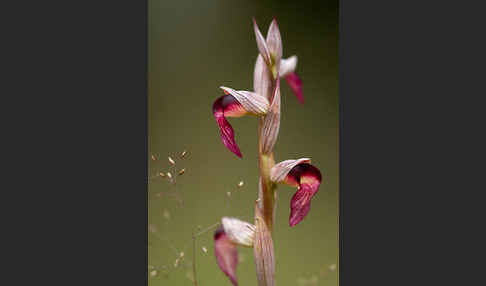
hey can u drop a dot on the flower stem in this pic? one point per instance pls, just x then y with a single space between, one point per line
267 196
264 257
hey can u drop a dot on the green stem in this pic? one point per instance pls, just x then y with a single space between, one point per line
268 188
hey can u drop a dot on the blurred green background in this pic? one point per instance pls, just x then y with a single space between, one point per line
195 47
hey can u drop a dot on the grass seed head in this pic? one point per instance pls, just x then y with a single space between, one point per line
183 154
171 161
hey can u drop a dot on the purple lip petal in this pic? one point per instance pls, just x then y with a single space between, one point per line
295 84
223 105
226 255
309 178
299 206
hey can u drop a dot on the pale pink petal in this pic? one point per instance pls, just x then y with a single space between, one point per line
274 43
252 102
287 66
262 78
261 43
263 251
238 231
226 255
271 122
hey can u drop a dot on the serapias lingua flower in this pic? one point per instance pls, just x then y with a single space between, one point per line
301 174
271 52
232 233
236 104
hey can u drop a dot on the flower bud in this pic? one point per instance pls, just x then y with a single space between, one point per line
263 251
271 122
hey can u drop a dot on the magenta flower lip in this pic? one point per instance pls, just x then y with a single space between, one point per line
227 105
301 174
295 84
308 178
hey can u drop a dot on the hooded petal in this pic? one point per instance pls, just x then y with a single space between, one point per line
262 81
238 231
274 43
261 43
271 122
263 251
279 172
287 66
303 175
227 105
295 84
226 255
252 102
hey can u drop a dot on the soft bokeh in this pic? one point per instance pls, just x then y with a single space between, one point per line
195 47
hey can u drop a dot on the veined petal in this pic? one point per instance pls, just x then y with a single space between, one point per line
279 172
295 84
287 65
271 122
227 105
300 205
262 81
226 255
238 231
274 43
261 43
252 102
303 175
309 178
260 193
263 251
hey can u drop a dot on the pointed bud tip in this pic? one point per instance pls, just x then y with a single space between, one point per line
274 21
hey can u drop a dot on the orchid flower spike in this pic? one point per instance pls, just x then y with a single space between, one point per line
271 52
236 104
233 232
298 173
